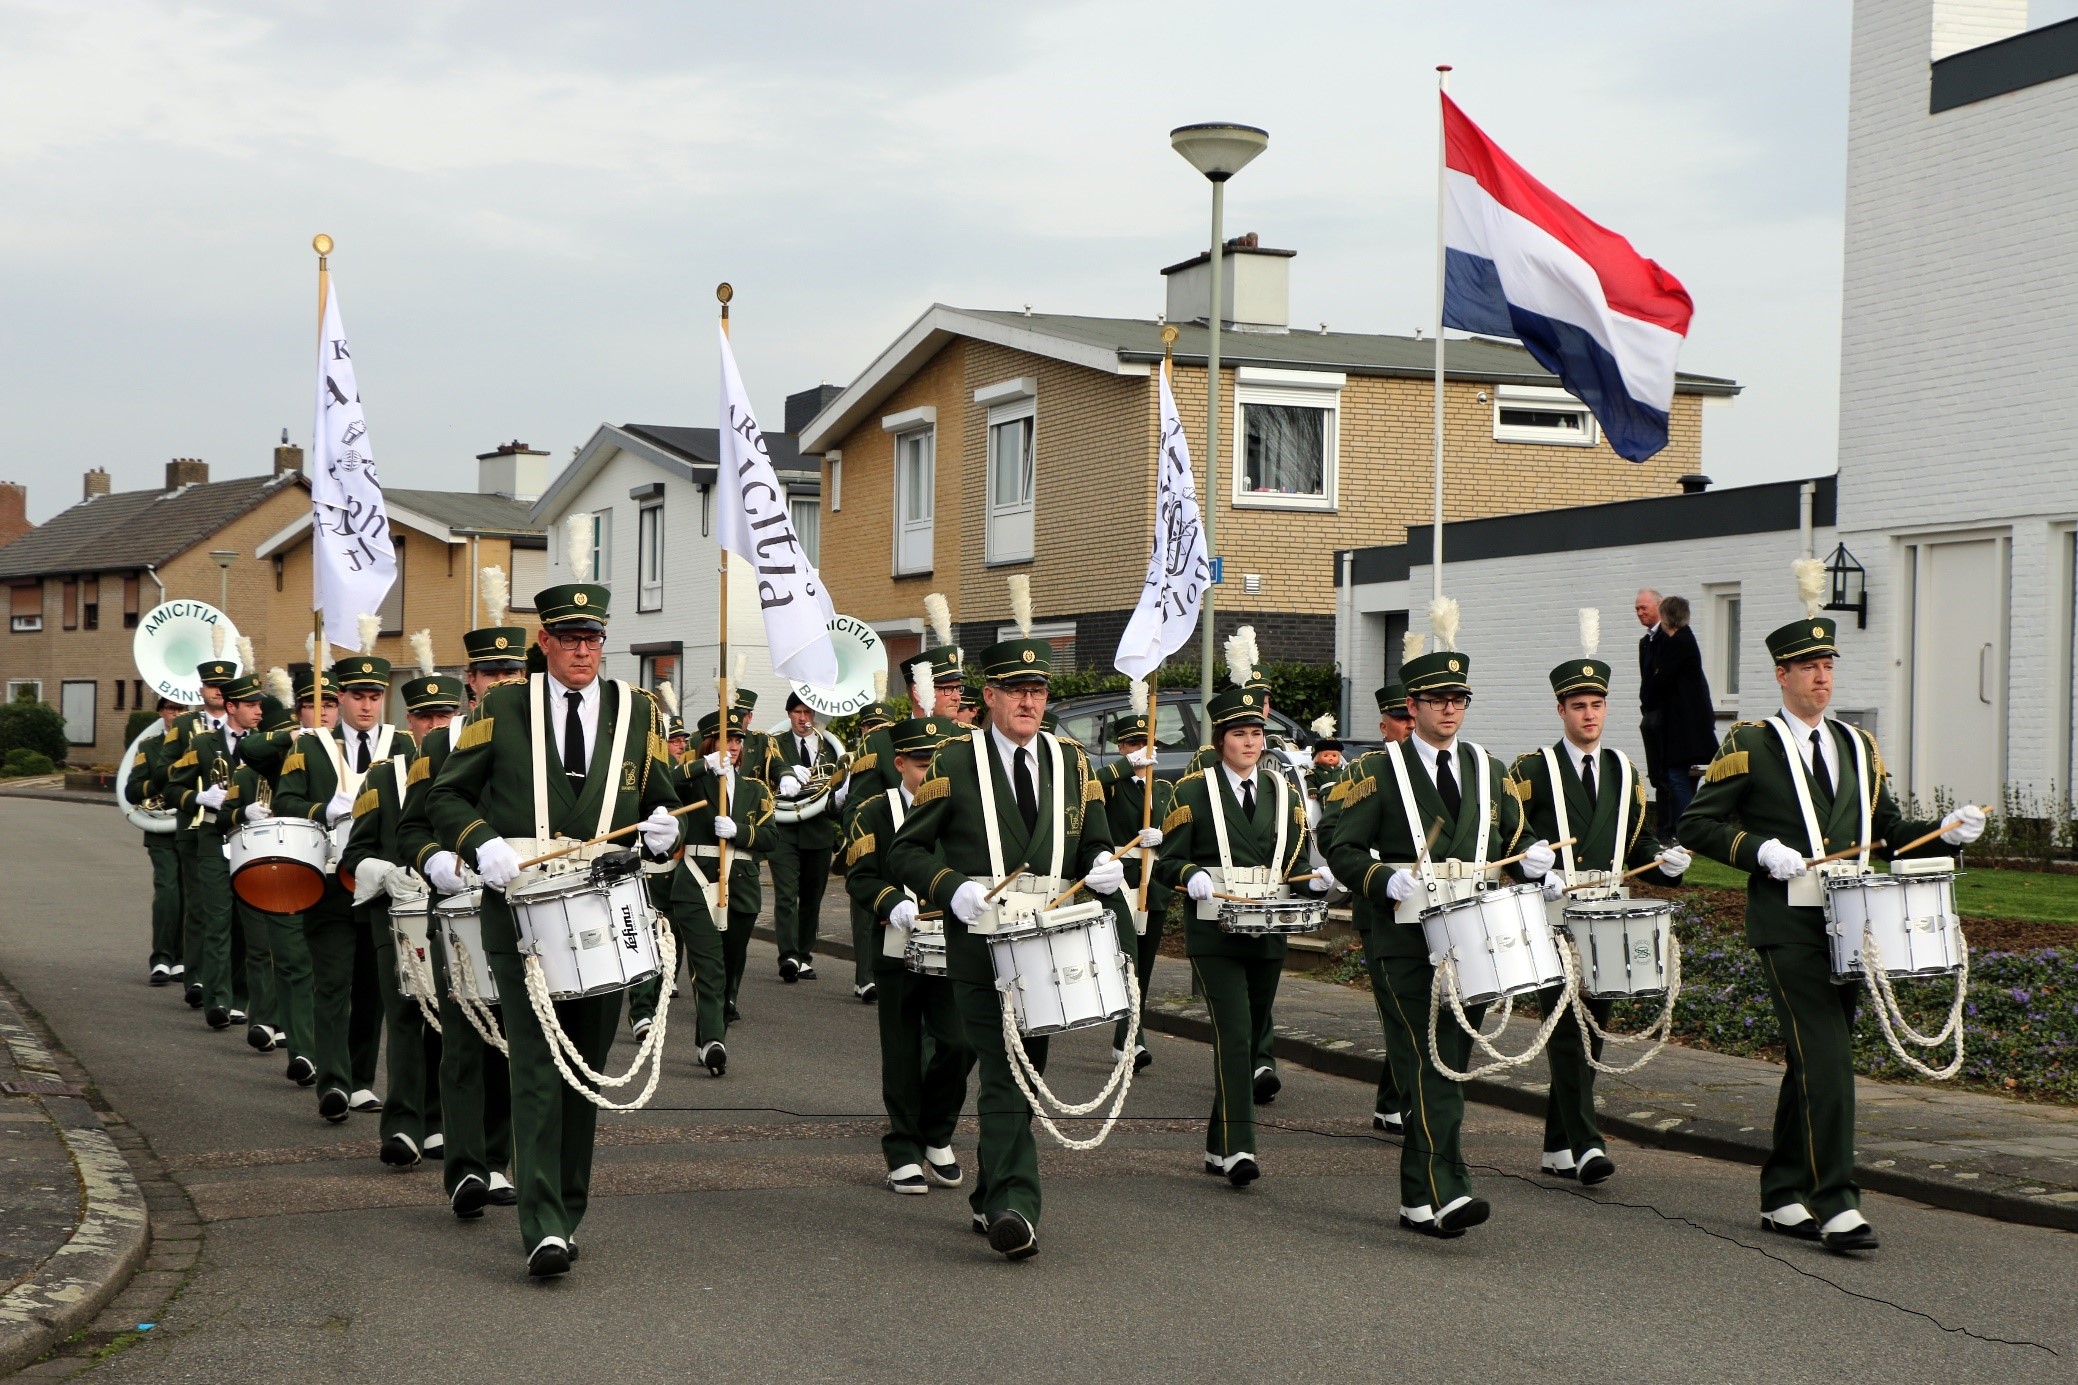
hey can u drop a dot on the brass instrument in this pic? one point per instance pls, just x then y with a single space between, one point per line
152 815
822 781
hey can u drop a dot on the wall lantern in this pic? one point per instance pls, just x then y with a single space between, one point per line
1850 586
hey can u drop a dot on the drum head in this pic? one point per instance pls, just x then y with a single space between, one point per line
278 887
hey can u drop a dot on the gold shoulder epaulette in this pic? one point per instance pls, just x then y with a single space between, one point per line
1359 790
184 761
367 803
1194 774
137 760
421 768
293 763
862 846
1092 791
931 790
475 733
1176 819
1521 788
865 762
1339 790
658 749
1727 766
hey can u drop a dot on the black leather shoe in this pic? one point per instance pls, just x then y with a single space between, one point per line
1390 1124
1243 1171
260 1037
573 1252
1267 1085
549 1259
730 1014
302 1072
1595 1168
1849 1239
867 993
789 970
238 1016
161 973
1805 1230
1465 1215
217 1017
503 1194
1428 1226
193 996
1142 1059
469 1197
399 1152
715 1058
979 1225
332 1106
1012 1237
807 971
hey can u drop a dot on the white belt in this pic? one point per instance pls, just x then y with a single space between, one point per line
709 852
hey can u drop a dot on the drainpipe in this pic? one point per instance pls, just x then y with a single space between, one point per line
153 573
1805 493
1346 654
475 579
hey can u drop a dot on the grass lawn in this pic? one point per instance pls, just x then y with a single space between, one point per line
2033 896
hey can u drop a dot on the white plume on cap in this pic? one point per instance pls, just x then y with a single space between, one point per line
577 532
1021 602
218 638
1443 618
880 685
668 695
497 594
1810 575
1139 697
1324 725
938 611
310 649
1241 655
1590 630
279 686
922 692
248 662
1410 645
422 651
369 627
742 667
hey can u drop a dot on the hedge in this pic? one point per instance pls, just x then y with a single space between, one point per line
26 725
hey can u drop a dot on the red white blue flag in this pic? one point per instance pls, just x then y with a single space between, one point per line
1521 262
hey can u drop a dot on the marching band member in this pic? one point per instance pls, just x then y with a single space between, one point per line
1596 789
147 770
799 852
195 788
273 972
213 674
872 772
1749 813
1377 851
657 881
483 797
1257 814
923 1095
941 854
1125 794
970 711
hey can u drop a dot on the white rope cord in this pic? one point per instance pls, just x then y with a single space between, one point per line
561 1044
1656 1033
1028 1076
1892 1018
423 985
1445 983
482 1018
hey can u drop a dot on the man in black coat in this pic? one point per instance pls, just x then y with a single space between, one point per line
1679 695
1647 607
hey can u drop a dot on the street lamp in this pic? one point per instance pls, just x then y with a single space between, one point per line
224 558
1219 151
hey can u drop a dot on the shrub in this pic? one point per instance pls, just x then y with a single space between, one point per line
33 726
22 763
139 719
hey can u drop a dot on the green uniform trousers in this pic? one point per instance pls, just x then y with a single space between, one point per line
552 1126
475 1100
700 953
1389 1101
212 937
800 874
1006 1176
923 1086
1569 1107
736 949
1239 992
865 945
411 1057
346 1004
1143 950
262 987
168 920
190 927
1432 1159
1813 1158
292 984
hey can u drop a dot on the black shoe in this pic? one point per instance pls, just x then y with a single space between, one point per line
260 1037
807 970
730 1014
469 1197
238 1016
1860 1236
789 970
908 1180
1467 1214
1805 1230
1267 1085
979 1225
365 1101
1012 1237
332 1106
944 1172
435 1146
640 1029
1243 1171
399 1152
503 1194
302 1072
1391 1124
549 1259
1428 1226
193 996
161 973
867 993
1215 1166
1142 1059
573 1252
1595 1168
217 1017
715 1058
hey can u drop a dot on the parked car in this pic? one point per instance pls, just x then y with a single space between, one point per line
1177 726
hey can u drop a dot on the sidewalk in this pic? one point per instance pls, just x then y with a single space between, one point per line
1962 1150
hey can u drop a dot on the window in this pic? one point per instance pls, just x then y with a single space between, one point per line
130 585
119 691
392 611
660 663
1287 431
1010 483
69 589
1060 634
649 557
807 513
1541 413
529 575
24 611
76 699
916 475
836 460
25 690
90 607
602 547
1720 643
136 692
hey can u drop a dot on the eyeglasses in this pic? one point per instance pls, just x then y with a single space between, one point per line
1023 694
580 641
1448 702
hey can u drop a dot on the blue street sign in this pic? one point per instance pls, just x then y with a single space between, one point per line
1217 564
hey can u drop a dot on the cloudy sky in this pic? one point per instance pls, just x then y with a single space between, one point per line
533 201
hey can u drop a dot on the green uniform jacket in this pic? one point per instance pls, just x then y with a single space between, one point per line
183 769
1595 828
415 838
376 815
1189 845
254 770
204 762
1124 792
1332 796
1748 797
308 781
265 750
1371 820
866 878
873 772
750 808
783 753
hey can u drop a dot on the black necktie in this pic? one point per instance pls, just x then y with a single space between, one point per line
1248 798
807 755
1446 785
1819 772
1587 779
361 755
1027 799
573 737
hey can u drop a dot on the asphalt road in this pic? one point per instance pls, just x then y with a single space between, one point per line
740 1230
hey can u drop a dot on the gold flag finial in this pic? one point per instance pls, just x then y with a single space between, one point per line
321 243
1170 332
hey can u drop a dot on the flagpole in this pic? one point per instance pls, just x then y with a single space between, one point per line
1154 683
321 243
1436 526
723 292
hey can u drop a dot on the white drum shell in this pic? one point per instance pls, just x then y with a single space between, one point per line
1912 918
1272 917
298 840
1063 972
1501 940
1622 945
1019 904
592 939
461 921
410 918
924 953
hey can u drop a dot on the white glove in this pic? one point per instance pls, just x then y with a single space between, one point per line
1781 862
443 872
339 807
258 812
371 878
659 833
497 863
1107 875
843 792
969 902
1675 860
1324 881
724 828
1554 888
789 785
1149 837
903 915
1400 886
1199 886
1140 759
714 761
1537 861
212 798
1963 826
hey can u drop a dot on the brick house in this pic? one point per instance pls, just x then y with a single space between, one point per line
981 443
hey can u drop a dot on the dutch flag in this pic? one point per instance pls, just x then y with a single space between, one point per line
1520 262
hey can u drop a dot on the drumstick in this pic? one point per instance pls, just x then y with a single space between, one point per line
1653 864
1850 851
940 913
1511 860
1295 879
1062 898
1917 842
562 851
1235 898
1003 885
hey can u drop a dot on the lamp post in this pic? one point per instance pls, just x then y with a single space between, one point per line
224 558
1219 151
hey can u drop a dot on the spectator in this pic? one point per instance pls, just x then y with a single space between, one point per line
1680 693
1647 606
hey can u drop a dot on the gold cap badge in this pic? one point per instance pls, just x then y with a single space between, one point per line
1588 669
1453 666
1247 701
581 599
367 668
501 642
1818 631
1029 656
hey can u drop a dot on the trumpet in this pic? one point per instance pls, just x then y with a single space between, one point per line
219 774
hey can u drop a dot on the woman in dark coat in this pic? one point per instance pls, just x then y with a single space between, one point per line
1687 716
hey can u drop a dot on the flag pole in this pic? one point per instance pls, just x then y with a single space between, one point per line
1436 525
321 243
723 292
1154 683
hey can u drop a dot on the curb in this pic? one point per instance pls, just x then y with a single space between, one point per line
108 1245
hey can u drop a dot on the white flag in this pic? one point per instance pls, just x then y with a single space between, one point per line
1177 570
350 546
756 524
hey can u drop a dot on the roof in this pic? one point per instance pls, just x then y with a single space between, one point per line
134 529
690 454
1130 346
467 512
704 445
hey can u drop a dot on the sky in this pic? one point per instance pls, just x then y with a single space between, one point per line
532 201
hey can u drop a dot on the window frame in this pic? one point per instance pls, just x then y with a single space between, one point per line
1721 653
649 556
15 685
25 622
1001 547
1543 399
93 712
393 600
907 532
1260 386
1058 633
810 534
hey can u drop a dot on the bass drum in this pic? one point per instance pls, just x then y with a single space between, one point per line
148 819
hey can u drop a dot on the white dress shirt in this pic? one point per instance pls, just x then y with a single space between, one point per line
1426 755
1006 750
807 745
1802 729
1235 781
355 737
587 715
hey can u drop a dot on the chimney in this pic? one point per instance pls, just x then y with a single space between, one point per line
186 471
97 482
1255 287
802 408
513 470
1694 483
288 458
14 511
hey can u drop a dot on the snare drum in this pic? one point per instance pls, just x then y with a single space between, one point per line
461 932
279 865
410 916
592 937
1063 969
924 953
1500 939
1018 903
1911 916
1271 917
1622 944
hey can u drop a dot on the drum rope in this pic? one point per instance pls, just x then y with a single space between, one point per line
563 1049
1656 1033
1445 982
1892 1018
482 1018
420 969
1029 1077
